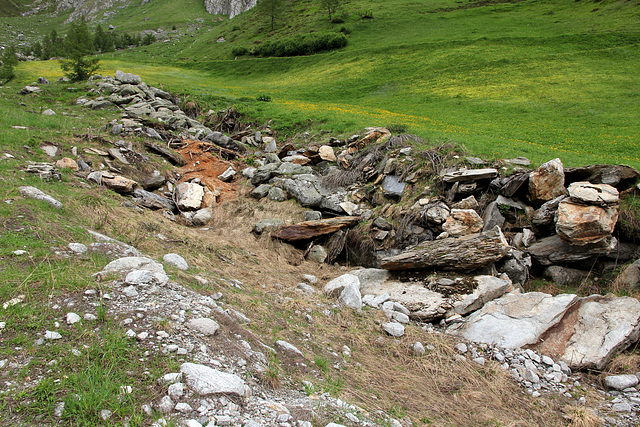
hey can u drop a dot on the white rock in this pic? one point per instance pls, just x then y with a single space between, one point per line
620 382
171 378
337 285
77 248
514 320
52 335
176 260
193 423
165 405
176 391
488 289
183 407
72 318
139 277
394 329
105 414
418 348
204 380
289 348
204 325
130 291
34 193
128 264
350 296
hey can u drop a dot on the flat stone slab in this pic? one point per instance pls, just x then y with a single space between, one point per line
593 331
514 320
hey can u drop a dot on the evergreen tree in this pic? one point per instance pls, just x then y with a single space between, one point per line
77 45
9 60
331 6
273 10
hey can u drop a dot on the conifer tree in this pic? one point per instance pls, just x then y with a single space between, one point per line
77 45
9 60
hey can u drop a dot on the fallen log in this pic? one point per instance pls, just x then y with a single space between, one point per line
171 155
460 254
310 229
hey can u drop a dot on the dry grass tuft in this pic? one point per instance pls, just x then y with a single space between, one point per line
625 363
580 416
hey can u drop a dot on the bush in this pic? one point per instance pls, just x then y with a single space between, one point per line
302 45
239 51
345 30
337 20
367 14
264 98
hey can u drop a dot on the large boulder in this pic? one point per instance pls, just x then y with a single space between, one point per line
514 320
581 225
593 331
127 78
547 182
188 196
553 250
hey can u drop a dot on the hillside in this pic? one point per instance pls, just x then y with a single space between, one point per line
437 224
505 79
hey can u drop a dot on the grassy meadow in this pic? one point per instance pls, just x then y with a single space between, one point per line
540 79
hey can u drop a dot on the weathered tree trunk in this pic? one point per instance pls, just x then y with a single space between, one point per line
464 253
171 155
310 229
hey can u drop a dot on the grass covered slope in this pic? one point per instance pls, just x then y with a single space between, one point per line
537 78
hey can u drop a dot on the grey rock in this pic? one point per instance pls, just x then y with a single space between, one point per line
204 325
189 196
553 250
127 78
165 405
72 318
563 276
202 217
176 391
382 224
394 329
205 381
139 277
393 187
492 217
276 194
128 264
488 288
335 287
514 320
130 291
267 225
34 193
176 260
52 335
312 215
620 382
77 248
48 112
289 348
467 175
351 297
418 348
261 191
317 254
152 200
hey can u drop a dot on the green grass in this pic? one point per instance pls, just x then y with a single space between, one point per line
535 78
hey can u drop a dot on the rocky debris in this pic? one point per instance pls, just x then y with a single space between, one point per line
488 289
228 7
34 193
127 264
168 153
29 90
45 171
465 253
553 250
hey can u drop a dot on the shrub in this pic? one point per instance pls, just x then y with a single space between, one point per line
239 51
367 14
264 98
337 20
345 30
301 45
